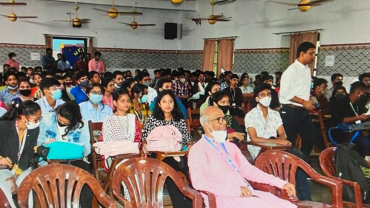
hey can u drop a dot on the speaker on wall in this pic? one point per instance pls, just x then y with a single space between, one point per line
170 30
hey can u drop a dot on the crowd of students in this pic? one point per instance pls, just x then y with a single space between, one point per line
42 106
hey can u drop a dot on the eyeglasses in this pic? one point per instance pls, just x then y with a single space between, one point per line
53 88
96 93
219 119
262 95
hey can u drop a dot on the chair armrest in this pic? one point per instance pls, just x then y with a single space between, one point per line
211 198
265 187
335 184
356 186
122 199
195 196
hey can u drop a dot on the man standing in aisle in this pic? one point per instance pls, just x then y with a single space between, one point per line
295 89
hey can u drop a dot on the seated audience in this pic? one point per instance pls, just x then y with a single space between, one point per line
66 125
93 109
167 112
336 81
108 85
94 77
221 99
118 79
139 106
36 91
211 88
351 110
24 91
246 89
226 80
11 91
219 167
50 87
79 92
68 85
262 123
236 99
338 93
80 64
144 78
121 125
19 129
181 89
319 91
129 83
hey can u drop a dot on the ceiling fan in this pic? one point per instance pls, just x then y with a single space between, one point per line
113 12
212 19
135 25
12 16
76 22
303 5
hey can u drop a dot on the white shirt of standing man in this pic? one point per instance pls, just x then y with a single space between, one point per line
295 84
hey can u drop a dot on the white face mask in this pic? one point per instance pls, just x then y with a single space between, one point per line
266 101
218 136
182 80
31 125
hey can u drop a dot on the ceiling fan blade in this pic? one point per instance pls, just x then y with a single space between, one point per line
283 3
224 2
27 17
223 20
293 8
62 21
12 4
100 10
145 25
85 19
314 3
129 24
130 13
4 15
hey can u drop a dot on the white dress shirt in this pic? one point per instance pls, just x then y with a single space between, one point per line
295 81
45 107
264 128
152 93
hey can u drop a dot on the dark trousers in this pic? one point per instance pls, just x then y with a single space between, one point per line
298 120
86 193
177 198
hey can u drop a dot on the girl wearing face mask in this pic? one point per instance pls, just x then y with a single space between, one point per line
66 125
93 109
139 97
338 93
221 99
211 88
35 91
68 85
19 129
24 91
262 123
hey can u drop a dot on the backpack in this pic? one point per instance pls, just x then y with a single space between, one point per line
164 139
349 165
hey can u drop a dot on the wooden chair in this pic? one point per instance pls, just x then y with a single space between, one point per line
4 203
96 161
145 178
284 165
327 165
194 115
323 129
60 185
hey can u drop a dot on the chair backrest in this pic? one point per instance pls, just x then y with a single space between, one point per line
59 186
4 203
323 129
145 178
94 126
193 115
281 164
327 161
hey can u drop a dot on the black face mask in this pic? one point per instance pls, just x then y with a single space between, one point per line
363 99
224 108
25 92
340 95
337 84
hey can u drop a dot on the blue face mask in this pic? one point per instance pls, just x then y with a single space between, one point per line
85 83
95 99
56 94
143 99
117 86
146 84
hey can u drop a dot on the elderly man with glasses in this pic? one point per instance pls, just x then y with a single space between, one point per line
218 166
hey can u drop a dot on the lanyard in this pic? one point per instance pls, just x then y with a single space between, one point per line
229 160
22 140
233 94
356 113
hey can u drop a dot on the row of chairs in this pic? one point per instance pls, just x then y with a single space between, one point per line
59 185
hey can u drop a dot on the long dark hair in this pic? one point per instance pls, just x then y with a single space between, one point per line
118 93
71 111
26 108
176 112
335 91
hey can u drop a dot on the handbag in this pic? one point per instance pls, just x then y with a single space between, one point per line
64 151
113 148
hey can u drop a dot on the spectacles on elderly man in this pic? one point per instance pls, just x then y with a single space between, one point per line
219 119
